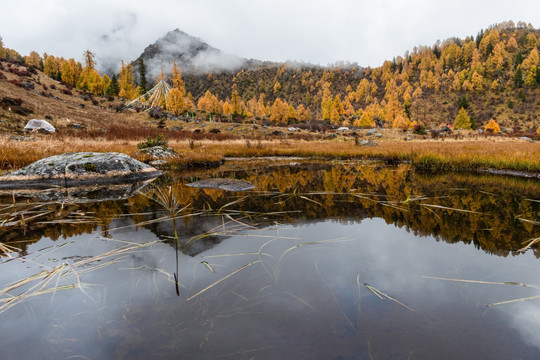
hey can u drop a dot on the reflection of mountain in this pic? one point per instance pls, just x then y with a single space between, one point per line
483 210
188 235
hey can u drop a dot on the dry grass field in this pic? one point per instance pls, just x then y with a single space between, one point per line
433 155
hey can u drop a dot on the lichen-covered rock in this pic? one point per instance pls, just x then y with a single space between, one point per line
81 168
223 184
158 152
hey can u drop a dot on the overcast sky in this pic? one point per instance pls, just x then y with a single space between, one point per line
316 31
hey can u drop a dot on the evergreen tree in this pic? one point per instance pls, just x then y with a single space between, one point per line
463 102
143 84
518 77
112 88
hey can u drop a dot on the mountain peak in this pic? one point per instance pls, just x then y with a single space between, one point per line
190 53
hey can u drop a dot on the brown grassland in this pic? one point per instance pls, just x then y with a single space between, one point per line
430 155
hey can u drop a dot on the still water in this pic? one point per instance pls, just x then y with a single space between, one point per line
343 260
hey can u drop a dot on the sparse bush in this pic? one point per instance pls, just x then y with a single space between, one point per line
156 113
16 83
419 129
19 72
159 140
11 101
66 92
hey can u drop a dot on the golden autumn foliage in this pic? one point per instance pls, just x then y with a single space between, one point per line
209 103
492 127
463 120
126 82
423 84
279 112
176 102
365 121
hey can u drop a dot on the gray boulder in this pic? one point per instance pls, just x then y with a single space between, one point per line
368 143
158 152
371 132
77 169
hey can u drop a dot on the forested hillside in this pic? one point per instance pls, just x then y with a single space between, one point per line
491 76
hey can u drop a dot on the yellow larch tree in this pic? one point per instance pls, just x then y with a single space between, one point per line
90 79
326 103
279 112
530 66
126 82
303 113
400 122
176 102
33 60
463 121
365 120
492 127
51 65
335 117
227 108
512 45
236 103
477 82
209 103
292 115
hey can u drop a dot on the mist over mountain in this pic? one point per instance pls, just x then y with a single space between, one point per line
191 54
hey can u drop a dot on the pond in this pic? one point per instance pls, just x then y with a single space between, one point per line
321 260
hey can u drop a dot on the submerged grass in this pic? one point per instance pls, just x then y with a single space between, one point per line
48 281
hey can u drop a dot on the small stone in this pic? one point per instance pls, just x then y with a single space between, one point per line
371 132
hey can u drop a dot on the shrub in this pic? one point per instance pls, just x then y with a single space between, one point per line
11 101
159 140
16 83
419 129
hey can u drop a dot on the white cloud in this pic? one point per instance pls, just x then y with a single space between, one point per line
320 31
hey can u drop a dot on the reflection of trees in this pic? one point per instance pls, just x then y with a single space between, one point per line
477 209
482 210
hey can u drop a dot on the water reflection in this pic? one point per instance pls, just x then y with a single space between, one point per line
498 215
281 272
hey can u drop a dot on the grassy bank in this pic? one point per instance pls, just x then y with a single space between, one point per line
432 156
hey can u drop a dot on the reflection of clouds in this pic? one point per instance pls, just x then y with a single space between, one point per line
525 318
309 301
